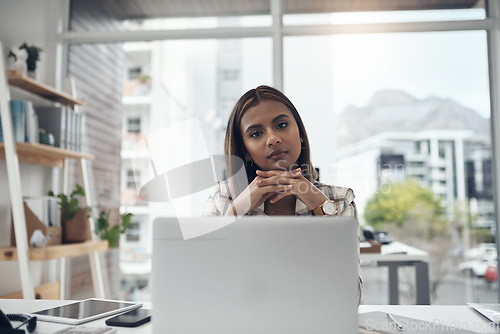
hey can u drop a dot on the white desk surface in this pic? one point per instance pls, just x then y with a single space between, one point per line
460 316
396 251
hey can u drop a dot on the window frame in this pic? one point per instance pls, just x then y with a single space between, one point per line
277 31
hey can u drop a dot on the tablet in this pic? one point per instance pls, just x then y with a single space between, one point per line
84 311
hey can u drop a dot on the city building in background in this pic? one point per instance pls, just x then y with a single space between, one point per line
156 95
454 164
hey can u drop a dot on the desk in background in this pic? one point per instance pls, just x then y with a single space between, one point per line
395 255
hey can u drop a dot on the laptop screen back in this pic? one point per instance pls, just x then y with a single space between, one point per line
256 275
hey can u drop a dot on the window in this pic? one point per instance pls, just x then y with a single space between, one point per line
230 74
134 125
369 94
382 95
133 232
132 176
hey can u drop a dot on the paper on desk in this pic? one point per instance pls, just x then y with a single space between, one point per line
378 322
490 311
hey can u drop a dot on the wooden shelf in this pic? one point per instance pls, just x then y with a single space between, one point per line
16 79
43 155
56 252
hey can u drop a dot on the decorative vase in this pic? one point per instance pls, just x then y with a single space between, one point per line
77 229
32 75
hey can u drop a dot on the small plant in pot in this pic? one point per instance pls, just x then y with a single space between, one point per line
106 231
33 56
74 219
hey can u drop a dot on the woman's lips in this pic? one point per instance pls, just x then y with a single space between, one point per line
277 155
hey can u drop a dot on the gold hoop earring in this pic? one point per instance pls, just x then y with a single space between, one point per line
248 161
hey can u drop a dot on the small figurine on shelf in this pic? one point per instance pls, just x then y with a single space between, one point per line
47 138
38 239
20 65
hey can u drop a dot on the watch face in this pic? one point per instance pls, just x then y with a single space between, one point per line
329 208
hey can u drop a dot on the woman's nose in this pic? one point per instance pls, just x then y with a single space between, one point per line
273 139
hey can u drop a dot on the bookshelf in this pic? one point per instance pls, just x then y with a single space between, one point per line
43 155
56 251
16 79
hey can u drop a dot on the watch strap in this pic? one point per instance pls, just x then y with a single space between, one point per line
318 211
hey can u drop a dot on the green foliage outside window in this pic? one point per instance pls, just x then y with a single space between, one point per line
403 204
105 231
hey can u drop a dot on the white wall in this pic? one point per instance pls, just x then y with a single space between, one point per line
34 22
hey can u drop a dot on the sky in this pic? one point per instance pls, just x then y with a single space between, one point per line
350 68
444 64
326 73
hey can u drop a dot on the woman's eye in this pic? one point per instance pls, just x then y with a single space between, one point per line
282 125
255 134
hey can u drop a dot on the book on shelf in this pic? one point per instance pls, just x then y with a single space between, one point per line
24 122
18 113
79 129
72 131
31 124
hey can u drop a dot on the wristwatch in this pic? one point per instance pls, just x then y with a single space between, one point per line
328 208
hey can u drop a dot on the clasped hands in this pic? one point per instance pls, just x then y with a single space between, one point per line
275 185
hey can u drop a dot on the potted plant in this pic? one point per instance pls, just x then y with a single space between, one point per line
74 219
105 231
143 84
33 57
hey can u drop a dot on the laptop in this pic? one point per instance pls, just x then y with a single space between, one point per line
279 274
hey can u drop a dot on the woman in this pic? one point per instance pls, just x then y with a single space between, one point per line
266 132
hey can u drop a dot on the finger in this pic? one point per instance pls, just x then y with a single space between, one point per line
283 178
275 172
277 188
278 197
272 172
274 180
268 195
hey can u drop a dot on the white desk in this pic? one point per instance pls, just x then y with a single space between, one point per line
395 255
457 316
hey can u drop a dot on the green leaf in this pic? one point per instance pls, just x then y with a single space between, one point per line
111 233
69 206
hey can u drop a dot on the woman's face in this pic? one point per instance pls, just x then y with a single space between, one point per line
271 135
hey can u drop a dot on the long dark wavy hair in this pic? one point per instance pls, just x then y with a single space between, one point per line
235 147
